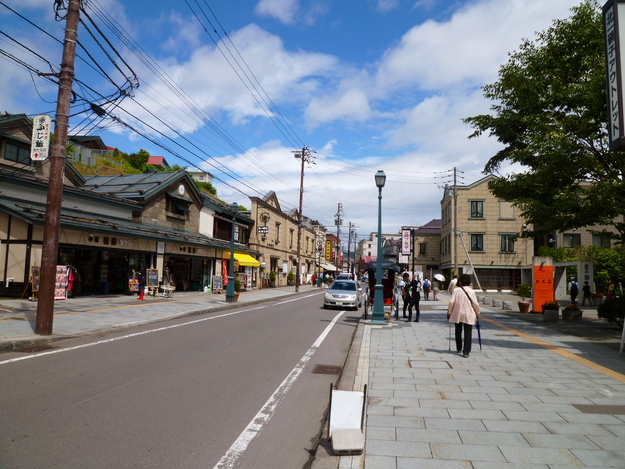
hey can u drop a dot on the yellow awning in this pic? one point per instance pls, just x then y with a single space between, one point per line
246 260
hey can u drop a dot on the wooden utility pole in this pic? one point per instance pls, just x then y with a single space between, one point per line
305 156
52 226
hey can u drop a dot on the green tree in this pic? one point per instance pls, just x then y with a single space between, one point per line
138 160
550 114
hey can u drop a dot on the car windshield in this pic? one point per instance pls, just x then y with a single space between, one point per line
337 285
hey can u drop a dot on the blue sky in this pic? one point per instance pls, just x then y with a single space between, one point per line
367 85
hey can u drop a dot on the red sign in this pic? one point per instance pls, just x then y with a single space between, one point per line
543 291
405 242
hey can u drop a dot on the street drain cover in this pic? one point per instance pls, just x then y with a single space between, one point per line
600 409
327 370
34 348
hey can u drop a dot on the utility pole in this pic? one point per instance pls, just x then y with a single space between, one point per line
455 225
338 221
306 158
349 249
52 225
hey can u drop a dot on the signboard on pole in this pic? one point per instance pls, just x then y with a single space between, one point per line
40 145
405 242
614 24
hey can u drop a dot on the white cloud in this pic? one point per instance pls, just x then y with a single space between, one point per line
282 10
351 105
387 5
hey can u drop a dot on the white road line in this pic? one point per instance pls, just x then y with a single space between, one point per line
137 334
264 415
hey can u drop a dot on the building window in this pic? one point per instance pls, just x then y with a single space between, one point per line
277 233
477 242
572 239
601 240
477 209
17 154
507 243
423 249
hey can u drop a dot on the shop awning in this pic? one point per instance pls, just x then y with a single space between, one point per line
246 260
326 266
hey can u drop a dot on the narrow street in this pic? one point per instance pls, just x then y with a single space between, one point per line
183 395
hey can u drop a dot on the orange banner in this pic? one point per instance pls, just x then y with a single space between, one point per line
543 291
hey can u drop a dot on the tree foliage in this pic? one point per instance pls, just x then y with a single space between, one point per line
550 113
138 160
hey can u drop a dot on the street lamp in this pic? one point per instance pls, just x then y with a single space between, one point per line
234 208
378 302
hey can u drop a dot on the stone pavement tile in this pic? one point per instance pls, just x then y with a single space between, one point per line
380 392
496 405
533 391
612 443
388 384
534 416
568 400
520 398
509 465
560 441
418 381
599 419
398 449
602 459
441 389
417 395
445 404
618 430
422 412
381 433
373 409
539 455
380 462
552 407
493 439
381 373
513 427
485 389
461 396
467 452
579 429
412 463
611 400
395 422
454 424
477 414
428 436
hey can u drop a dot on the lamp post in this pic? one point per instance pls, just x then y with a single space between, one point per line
378 301
230 288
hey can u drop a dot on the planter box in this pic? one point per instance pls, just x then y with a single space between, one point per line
571 314
551 315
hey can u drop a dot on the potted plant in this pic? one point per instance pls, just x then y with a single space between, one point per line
551 311
523 290
597 298
572 313
290 278
237 289
272 279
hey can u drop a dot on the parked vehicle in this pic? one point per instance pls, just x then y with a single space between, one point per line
343 294
389 288
345 276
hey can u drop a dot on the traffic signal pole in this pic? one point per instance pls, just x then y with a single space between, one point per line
52 226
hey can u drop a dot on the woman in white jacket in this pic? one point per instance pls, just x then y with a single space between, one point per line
463 311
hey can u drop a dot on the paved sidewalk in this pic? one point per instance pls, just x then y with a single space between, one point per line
533 397
91 314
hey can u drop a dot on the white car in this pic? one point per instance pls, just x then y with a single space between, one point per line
343 294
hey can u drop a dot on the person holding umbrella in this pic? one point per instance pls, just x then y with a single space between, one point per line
463 311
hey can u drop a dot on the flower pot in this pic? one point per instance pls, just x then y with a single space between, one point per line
597 300
571 314
236 296
524 306
551 315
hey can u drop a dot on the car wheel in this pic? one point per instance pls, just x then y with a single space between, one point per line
326 307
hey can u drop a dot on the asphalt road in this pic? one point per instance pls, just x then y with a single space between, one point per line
223 390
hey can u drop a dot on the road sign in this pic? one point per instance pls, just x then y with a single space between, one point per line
40 145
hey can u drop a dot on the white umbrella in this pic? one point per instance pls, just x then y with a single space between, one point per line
439 277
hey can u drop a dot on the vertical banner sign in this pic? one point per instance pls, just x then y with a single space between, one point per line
543 291
328 250
614 22
40 145
405 242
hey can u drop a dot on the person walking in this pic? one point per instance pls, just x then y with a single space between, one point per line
435 288
404 290
587 296
573 290
141 280
463 311
426 289
415 297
